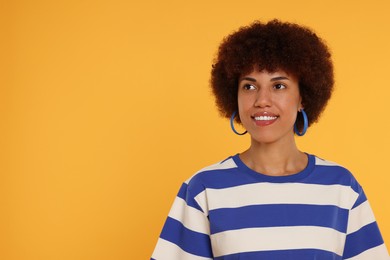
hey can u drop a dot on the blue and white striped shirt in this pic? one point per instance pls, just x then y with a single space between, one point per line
228 211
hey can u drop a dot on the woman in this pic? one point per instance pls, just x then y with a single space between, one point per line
271 201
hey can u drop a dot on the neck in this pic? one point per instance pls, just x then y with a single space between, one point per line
275 159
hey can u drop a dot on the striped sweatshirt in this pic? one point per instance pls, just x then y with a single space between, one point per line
227 211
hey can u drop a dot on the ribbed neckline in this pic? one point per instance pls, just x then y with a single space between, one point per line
242 167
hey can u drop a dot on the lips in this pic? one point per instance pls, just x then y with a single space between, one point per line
264 118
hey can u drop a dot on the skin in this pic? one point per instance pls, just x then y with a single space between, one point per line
273 150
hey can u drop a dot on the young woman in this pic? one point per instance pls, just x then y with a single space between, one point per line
271 201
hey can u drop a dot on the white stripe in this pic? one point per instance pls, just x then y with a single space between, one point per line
202 201
277 193
320 161
190 217
375 253
359 217
166 250
228 164
277 238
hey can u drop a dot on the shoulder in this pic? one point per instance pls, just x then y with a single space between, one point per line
213 169
335 173
212 176
225 164
331 166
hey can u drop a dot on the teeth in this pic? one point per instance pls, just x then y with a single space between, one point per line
264 118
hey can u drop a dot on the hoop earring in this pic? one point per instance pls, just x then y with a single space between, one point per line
232 124
305 124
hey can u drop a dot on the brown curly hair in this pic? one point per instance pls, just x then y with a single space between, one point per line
270 46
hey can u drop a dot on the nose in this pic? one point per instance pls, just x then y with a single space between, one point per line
263 98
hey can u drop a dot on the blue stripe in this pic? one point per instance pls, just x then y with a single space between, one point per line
362 198
297 254
259 177
218 179
365 238
242 175
278 215
190 241
184 193
330 175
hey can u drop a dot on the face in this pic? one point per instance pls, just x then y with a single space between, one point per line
268 104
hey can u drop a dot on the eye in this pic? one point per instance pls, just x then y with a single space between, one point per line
279 86
249 87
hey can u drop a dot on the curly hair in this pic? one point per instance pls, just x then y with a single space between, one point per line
273 46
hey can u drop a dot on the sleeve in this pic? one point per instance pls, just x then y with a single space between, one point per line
364 240
186 232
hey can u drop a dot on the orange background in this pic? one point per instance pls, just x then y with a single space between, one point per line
106 109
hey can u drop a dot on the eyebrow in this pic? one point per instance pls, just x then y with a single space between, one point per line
272 79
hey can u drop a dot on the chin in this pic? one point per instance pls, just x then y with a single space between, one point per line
264 139
270 137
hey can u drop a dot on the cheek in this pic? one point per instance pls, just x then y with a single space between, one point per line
294 102
245 100
294 107
291 106
241 102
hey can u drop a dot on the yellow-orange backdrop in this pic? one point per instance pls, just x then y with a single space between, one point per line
106 109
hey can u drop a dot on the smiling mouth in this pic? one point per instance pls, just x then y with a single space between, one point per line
265 118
